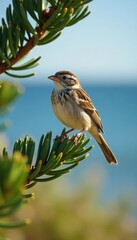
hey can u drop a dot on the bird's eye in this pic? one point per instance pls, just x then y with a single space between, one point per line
64 77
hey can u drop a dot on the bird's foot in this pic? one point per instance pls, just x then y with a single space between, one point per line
76 137
63 134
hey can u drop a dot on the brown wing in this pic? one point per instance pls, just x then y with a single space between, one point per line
86 104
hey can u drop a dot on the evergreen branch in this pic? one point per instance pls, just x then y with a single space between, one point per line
31 23
22 171
59 155
62 152
52 159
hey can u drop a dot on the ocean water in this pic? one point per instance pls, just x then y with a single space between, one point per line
32 115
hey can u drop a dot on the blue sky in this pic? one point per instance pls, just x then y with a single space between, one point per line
104 45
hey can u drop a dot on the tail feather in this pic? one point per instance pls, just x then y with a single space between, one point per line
104 146
107 151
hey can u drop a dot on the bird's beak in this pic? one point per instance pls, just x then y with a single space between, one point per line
53 78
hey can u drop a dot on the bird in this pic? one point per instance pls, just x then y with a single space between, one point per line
75 109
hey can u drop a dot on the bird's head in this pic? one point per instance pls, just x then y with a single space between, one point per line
65 79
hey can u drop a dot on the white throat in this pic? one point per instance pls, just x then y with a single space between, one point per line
59 87
76 86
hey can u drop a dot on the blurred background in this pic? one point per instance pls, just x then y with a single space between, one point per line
95 200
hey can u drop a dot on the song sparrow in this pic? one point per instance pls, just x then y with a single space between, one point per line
74 108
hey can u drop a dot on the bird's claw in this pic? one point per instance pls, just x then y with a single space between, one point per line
76 137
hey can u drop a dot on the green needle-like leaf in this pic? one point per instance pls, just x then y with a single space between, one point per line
28 5
36 170
46 147
3 56
20 76
15 224
30 64
50 20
